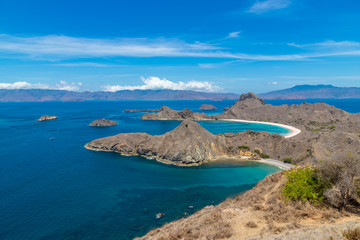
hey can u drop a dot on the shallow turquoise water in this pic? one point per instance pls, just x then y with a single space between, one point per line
60 190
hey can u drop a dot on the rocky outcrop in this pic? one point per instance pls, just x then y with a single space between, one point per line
167 113
47 118
102 123
139 110
207 107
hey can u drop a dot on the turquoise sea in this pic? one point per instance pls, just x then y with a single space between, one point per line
57 189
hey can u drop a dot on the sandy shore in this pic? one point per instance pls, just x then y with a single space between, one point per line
276 163
293 131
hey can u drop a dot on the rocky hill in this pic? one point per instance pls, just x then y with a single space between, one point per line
320 124
191 144
262 214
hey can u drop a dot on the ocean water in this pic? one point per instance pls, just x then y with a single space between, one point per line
57 189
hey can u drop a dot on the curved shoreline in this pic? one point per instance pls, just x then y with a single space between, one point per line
293 130
276 163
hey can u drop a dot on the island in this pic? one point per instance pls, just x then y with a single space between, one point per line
47 118
102 123
207 107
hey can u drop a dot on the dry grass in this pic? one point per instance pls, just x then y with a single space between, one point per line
352 234
209 225
261 211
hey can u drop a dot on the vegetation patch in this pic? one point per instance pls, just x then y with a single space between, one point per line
287 160
247 148
262 155
304 184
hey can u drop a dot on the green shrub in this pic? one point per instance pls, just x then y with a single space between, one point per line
304 184
287 160
257 151
262 155
244 147
230 148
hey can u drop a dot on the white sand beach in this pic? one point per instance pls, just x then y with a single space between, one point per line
293 131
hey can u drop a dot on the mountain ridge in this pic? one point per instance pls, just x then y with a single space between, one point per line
41 95
313 91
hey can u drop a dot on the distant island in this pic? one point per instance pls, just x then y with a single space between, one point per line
103 123
39 95
207 107
313 91
46 118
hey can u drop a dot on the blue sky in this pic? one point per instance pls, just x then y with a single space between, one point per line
229 46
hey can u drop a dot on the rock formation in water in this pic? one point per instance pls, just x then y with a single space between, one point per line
140 110
167 113
102 123
47 118
207 107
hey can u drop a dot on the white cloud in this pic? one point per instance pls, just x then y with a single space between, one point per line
25 85
55 48
68 86
273 83
234 34
155 83
64 47
327 44
268 5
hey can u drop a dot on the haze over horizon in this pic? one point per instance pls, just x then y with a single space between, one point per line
205 46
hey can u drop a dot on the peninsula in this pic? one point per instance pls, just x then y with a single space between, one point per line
317 131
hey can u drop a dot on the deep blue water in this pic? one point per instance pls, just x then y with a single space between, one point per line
60 190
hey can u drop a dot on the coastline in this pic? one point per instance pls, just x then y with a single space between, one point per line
276 163
293 130
268 161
